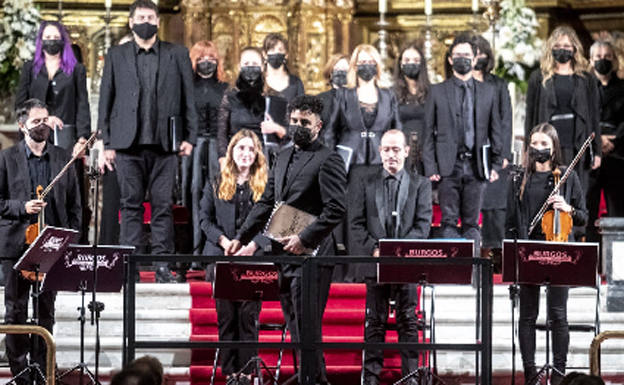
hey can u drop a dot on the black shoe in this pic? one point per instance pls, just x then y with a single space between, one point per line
243 380
556 378
163 275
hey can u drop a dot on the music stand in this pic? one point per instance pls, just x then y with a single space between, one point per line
74 272
425 276
40 256
550 264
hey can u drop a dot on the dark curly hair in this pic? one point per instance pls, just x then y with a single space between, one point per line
462 38
314 104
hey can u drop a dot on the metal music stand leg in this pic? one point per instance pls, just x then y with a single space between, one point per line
547 369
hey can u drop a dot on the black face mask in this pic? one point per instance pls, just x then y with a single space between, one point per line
481 64
366 71
562 56
206 68
276 60
539 156
145 30
301 136
39 133
462 65
250 74
603 66
339 78
411 70
52 47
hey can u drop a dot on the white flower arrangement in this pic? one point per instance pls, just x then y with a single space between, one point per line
18 28
518 46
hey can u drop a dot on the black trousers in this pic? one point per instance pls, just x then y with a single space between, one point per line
238 321
137 172
292 307
16 296
109 223
460 197
608 178
377 306
558 316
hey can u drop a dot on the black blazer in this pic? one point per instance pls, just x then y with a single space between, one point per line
329 102
440 146
346 126
71 100
367 212
15 191
542 102
217 217
517 219
119 96
317 186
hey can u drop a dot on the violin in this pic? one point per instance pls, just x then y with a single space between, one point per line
553 225
33 230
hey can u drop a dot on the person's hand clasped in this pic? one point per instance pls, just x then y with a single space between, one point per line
292 244
248 250
233 247
435 178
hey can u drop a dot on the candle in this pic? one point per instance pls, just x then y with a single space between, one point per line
383 6
108 3
475 5
428 7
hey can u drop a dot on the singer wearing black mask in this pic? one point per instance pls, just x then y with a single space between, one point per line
24 166
461 117
335 74
527 192
147 116
608 177
564 94
311 178
243 106
494 202
411 85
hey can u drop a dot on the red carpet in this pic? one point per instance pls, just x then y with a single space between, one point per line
343 322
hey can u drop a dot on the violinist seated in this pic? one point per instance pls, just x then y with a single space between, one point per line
30 163
527 193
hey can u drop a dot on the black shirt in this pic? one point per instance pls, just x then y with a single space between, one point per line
208 95
538 187
294 89
612 105
39 170
242 204
147 71
564 89
392 184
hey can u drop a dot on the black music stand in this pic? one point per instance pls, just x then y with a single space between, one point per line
550 264
74 272
425 276
39 258
247 282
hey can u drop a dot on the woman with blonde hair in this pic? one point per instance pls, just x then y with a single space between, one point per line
565 95
364 110
223 209
210 85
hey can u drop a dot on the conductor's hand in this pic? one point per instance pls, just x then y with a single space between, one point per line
235 245
292 244
185 149
34 206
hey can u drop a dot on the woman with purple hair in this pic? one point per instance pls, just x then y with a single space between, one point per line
55 77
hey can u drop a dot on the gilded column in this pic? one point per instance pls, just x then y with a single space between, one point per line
196 21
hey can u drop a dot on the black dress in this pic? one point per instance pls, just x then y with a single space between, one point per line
65 95
234 115
329 104
294 89
412 115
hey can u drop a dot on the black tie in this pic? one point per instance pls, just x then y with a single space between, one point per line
391 193
468 117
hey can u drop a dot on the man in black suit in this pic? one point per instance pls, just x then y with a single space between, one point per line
146 90
460 119
389 203
311 178
23 167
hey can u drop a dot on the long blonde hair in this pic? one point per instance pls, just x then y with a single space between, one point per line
548 64
257 171
352 78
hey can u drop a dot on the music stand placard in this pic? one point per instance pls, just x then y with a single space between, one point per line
246 281
556 263
49 246
425 248
76 267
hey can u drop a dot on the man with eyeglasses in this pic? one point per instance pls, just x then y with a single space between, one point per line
461 121
30 163
390 203
147 115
